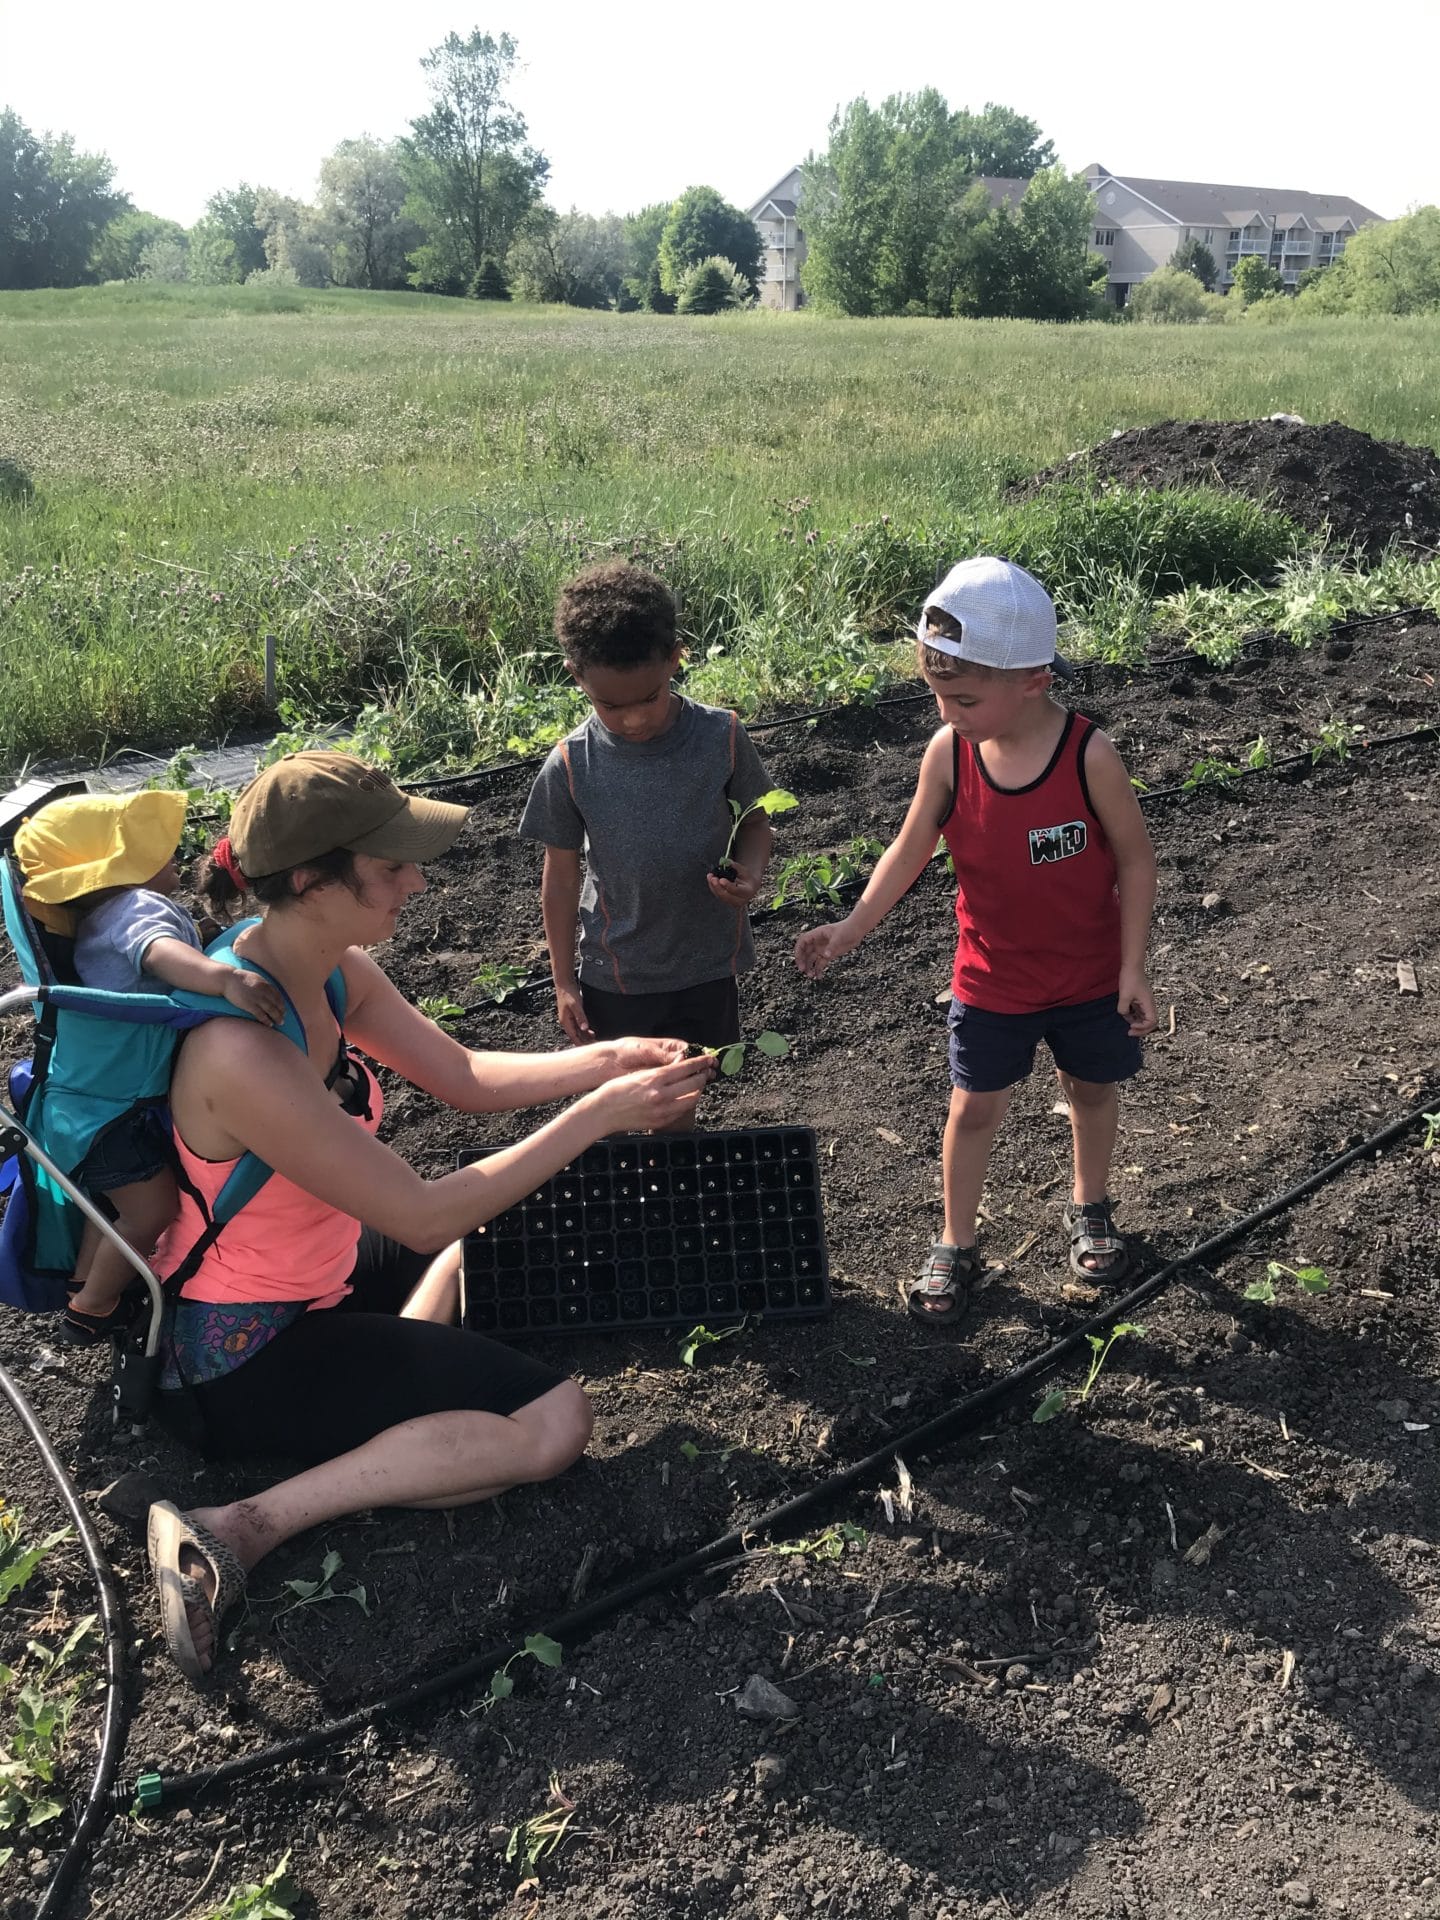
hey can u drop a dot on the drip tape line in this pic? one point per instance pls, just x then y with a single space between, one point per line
1143 670
94 1815
178 1789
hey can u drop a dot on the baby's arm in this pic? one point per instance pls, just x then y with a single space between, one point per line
897 869
560 910
180 966
1118 811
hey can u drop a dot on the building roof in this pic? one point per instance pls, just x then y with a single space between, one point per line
785 205
1003 192
1195 203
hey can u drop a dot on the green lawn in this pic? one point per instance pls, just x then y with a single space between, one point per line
376 478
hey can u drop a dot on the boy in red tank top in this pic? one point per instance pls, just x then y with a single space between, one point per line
1056 885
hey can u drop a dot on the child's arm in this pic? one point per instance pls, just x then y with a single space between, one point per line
897 869
750 856
1118 811
180 966
560 910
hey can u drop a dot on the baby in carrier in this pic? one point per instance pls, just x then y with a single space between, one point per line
100 869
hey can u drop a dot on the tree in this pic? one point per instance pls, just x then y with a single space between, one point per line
1172 296
1035 263
701 226
362 201
294 238
656 298
642 239
55 202
1254 278
490 282
231 217
120 248
1192 256
1001 142
165 260
844 210
472 178
1390 267
574 259
714 286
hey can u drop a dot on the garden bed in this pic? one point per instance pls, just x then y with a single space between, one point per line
1020 1697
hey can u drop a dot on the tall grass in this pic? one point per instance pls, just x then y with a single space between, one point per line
394 485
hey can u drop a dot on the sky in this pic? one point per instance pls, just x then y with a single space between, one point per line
634 101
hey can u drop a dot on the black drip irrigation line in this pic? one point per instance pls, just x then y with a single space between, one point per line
1187 657
155 1789
99 1806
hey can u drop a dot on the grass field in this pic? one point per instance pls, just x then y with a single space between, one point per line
393 485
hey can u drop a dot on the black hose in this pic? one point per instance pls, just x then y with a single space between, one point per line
98 1802
180 1788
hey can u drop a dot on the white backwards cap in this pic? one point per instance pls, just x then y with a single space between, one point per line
1005 616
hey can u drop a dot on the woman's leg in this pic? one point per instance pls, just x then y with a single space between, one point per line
437 1460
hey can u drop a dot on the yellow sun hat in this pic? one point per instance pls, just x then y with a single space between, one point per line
78 845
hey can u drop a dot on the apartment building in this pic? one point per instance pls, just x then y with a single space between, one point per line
784 243
1139 223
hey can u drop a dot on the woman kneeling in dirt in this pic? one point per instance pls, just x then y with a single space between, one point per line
300 1331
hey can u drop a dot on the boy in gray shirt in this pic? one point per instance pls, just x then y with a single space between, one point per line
641 790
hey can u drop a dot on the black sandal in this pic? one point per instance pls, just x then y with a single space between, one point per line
81 1329
1094 1235
947 1276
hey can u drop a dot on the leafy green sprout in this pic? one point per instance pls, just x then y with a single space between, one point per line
1260 754
439 1008
17 1560
816 878
732 1058
695 1455
829 1545
701 1337
1210 772
1432 1132
498 980
30 1754
534 1840
539 1647
1100 1345
777 800
1337 737
1307 1279
269 1899
314 1593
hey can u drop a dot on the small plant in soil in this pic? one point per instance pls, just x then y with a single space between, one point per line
1210 772
694 1454
17 1560
1260 755
314 1593
269 1899
1307 1279
829 1545
498 980
819 878
534 1840
44 1699
777 800
539 1647
1432 1132
732 1058
1337 737
703 1336
443 1011
1100 1345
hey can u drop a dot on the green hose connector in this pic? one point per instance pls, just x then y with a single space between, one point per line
149 1788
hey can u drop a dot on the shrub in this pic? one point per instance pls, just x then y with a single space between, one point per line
656 298
715 286
1174 297
1253 278
489 282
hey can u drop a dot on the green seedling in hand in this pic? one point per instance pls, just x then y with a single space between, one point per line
444 1012
499 979
702 1336
777 800
1308 1279
1062 1397
732 1058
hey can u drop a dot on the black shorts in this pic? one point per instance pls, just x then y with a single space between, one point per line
339 1375
707 1015
127 1152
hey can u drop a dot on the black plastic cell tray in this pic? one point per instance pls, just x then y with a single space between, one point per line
657 1230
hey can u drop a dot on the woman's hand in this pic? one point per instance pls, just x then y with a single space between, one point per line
635 1055
654 1098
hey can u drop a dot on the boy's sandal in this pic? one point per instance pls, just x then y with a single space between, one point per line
168 1532
1096 1240
940 1293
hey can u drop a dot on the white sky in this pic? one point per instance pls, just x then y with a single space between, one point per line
635 100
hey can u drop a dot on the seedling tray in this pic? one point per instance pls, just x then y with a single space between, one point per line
657 1230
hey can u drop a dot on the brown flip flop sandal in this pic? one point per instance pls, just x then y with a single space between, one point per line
168 1532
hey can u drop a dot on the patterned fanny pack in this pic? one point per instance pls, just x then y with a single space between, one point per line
206 1339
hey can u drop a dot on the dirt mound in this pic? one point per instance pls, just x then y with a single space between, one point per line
1368 492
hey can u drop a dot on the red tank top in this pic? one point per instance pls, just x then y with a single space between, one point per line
1037 908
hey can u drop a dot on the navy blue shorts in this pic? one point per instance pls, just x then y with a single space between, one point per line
991 1051
130 1150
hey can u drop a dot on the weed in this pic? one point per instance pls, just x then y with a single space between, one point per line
1308 1279
1057 1401
1210 772
829 1545
207 808
269 1899
819 878
702 1336
777 800
1337 737
439 1008
498 980
18 1561
29 1760
535 1840
313 1593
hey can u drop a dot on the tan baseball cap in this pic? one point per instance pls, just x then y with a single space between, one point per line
315 802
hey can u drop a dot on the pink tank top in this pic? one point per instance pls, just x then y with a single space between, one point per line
284 1245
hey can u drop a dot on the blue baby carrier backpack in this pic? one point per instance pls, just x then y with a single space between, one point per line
99 1057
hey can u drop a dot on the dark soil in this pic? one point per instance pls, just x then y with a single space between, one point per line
1021 1697
1365 492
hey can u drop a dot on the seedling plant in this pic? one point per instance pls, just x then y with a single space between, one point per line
777 800
819 878
1432 1132
43 1704
534 1840
498 980
539 1647
1307 1279
702 1336
829 1545
269 1899
732 1058
1100 1345
1210 772
442 1010
314 1593
1337 737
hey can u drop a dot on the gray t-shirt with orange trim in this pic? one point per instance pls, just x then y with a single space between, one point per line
652 819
